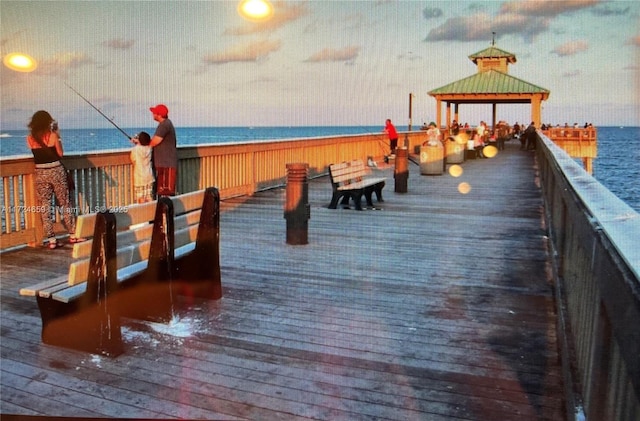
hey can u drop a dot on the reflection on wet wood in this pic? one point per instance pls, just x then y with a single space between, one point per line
437 307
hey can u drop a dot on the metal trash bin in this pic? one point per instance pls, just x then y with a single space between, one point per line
432 158
454 149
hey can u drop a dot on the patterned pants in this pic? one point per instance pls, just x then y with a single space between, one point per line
50 181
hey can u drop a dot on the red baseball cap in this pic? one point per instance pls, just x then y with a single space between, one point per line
160 109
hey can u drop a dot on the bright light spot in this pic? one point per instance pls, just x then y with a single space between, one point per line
255 10
490 151
464 188
20 62
455 170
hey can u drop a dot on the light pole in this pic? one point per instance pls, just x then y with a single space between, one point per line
406 136
410 108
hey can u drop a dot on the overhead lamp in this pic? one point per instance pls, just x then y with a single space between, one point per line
255 10
20 62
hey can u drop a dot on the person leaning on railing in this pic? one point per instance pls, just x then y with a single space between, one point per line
50 176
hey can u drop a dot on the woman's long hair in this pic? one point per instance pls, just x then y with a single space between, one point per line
40 124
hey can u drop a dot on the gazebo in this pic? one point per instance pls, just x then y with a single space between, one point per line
490 85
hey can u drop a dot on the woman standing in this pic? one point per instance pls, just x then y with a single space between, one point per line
51 177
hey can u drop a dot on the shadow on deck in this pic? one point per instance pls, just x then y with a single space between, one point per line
438 306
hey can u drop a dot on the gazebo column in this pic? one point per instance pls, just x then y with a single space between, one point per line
438 112
493 117
536 115
448 115
456 117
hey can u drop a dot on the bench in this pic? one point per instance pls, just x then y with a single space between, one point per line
349 181
137 259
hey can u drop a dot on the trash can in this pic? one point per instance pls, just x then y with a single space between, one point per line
454 149
431 158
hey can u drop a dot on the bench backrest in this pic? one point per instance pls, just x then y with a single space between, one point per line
134 229
345 173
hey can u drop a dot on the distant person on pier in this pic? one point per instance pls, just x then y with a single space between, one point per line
165 151
516 130
478 143
391 132
433 134
142 171
455 128
529 136
50 176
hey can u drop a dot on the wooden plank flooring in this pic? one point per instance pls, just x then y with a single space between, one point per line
439 306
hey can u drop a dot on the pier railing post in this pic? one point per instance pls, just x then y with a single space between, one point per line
401 172
296 210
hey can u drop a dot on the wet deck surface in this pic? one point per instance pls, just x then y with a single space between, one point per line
439 306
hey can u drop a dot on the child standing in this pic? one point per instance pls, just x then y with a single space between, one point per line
142 172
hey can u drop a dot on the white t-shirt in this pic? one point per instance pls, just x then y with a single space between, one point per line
141 158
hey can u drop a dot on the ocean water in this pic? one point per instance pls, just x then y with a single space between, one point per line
617 166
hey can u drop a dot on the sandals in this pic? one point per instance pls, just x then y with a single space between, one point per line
74 240
52 245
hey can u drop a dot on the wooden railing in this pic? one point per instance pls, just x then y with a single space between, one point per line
104 180
578 143
594 244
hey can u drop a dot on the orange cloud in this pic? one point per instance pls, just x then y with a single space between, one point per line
253 51
545 8
570 48
119 43
332 54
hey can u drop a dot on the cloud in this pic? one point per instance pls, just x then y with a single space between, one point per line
60 64
573 73
545 8
332 54
119 43
253 51
479 27
284 13
431 12
607 11
570 48
524 18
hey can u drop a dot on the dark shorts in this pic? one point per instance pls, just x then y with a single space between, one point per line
166 181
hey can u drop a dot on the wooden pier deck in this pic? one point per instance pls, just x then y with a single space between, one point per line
439 306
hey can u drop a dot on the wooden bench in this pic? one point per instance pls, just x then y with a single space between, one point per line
137 260
349 180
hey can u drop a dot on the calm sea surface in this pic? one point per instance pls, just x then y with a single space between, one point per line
617 166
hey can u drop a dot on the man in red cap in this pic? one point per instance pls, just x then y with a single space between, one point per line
165 152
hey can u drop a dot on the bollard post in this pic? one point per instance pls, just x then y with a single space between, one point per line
401 172
296 209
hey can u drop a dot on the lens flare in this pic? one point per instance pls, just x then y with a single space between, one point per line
464 188
255 10
490 151
20 62
455 170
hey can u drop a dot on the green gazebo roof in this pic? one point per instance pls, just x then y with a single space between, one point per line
489 82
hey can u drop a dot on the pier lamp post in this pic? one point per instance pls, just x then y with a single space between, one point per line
410 108
406 136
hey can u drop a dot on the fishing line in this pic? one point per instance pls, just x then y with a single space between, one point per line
98 110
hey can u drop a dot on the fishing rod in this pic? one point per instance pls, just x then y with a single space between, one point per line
98 110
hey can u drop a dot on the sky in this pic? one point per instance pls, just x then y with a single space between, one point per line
314 63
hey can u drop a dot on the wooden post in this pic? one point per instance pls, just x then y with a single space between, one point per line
297 210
